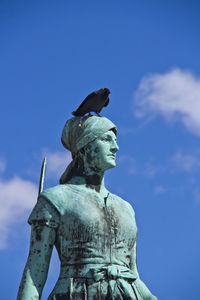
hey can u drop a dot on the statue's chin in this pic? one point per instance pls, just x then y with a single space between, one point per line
110 165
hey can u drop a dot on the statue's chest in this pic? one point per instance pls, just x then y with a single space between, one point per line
90 218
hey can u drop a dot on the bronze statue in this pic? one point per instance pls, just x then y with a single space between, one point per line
93 230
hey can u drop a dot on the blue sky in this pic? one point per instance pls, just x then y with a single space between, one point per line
54 53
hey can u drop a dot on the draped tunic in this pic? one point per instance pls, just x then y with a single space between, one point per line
95 238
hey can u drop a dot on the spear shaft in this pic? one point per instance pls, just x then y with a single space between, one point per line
42 176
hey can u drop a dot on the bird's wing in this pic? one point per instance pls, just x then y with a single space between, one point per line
107 101
86 99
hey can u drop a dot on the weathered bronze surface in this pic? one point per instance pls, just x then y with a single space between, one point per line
93 230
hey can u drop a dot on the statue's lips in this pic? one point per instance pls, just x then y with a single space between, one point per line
111 155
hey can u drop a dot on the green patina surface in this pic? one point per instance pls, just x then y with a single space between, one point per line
93 230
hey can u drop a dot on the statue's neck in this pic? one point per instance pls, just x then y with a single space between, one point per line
93 181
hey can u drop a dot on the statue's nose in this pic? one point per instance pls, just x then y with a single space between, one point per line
114 147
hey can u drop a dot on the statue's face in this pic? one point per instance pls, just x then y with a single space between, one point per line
101 153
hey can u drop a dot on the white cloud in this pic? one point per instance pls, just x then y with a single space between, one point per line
57 162
174 95
2 165
128 159
150 169
197 196
188 162
159 189
17 196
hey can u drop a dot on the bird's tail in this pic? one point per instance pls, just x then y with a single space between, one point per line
76 113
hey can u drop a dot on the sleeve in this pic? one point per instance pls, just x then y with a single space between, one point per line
44 214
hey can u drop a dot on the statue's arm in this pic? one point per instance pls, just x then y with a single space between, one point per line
144 291
36 269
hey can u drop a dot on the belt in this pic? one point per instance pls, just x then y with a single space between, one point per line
97 272
112 272
120 279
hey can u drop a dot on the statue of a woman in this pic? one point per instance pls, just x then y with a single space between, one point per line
94 231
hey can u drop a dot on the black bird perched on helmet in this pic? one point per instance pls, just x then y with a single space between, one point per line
94 102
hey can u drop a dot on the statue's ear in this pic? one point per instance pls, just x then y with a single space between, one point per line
86 149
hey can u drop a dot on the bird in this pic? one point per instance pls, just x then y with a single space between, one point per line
94 102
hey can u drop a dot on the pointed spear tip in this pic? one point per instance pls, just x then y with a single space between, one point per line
42 176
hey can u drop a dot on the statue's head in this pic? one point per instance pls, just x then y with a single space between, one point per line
92 142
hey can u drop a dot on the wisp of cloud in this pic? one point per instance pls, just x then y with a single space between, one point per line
175 95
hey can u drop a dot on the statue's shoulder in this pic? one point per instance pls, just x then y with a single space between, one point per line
59 196
59 190
123 203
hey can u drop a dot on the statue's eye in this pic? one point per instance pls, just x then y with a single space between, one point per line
106 138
